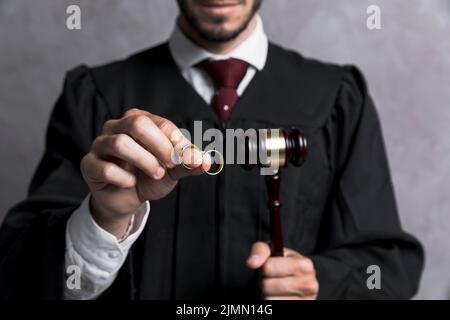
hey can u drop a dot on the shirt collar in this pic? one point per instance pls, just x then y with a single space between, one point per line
253 50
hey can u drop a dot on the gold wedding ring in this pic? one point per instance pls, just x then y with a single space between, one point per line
221 162
193 146
180 154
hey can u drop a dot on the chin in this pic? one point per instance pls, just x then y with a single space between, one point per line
225 27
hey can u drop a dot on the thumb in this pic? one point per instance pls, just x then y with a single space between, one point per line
259 254
196 164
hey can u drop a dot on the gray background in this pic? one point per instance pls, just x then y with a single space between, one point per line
407 65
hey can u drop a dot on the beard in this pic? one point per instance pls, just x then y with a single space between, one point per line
219 34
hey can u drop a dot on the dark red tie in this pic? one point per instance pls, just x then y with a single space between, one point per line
226 75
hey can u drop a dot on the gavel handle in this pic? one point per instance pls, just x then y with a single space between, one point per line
274 205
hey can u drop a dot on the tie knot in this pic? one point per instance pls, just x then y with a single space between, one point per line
225 73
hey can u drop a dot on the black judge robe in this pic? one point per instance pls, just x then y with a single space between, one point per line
339 208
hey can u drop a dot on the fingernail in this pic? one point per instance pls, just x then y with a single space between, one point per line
159 173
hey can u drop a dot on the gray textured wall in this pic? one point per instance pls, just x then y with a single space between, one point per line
407 65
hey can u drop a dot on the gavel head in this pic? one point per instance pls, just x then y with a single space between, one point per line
276 148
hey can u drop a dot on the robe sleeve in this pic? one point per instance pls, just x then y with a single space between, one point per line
32 240
361 227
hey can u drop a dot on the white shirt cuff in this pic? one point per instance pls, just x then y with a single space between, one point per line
96 252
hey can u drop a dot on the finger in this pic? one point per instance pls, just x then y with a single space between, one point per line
98 171
195 170
180 172
290 298
165 125
304 264
289 286
191 156
291 253
259 253
279 267
290 265
108 126
142 129
169 129
125 148
282 298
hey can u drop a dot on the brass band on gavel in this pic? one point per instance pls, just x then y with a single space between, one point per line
276 148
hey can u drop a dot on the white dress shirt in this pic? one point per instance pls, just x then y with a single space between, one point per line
186 55
97 253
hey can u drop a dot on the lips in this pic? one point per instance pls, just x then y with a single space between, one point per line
219 7
217 3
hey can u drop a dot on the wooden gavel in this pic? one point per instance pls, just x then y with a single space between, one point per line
282 147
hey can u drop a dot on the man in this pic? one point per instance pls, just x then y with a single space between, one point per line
108 199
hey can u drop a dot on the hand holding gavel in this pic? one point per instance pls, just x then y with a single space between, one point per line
289 277
285 273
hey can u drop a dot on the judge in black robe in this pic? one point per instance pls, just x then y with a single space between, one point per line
338 209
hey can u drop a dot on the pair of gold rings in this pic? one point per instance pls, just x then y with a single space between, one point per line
209 152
